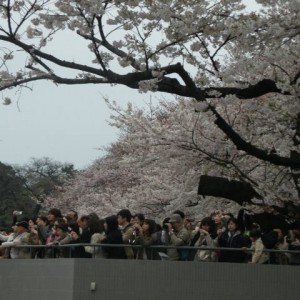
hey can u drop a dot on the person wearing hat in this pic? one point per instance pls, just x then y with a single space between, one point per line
21 238
177 236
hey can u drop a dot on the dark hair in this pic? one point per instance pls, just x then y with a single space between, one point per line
209 221
75 215
112 223
233 220
43 218
84 218
125 213
62 226
94 216
60 221
55 212
32 218
140 216
152 226
74 226
255 233
95 225
180 213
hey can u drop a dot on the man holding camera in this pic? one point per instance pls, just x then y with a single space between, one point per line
177 235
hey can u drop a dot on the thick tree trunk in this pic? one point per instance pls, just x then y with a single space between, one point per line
237 191
243 193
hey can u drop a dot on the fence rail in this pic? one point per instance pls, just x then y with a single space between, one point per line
152 248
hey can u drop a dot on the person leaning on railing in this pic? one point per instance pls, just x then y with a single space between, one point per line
205 239
258 254
20 238
96 229
146 236
113 236
177 235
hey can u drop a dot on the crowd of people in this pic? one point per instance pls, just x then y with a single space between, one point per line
128 236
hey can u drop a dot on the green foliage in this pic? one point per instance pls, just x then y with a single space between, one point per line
13 195
42 177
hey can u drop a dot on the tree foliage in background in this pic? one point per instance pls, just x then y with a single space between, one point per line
155 165
215 52
13 195
42 177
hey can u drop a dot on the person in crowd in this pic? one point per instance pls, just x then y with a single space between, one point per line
71 216
113 236
52 215
138 219
129 237
281 258
205 238
63 237
147 237
258 254
52 238
42 231
293 239
220 221
231 238
96 229
177 235
161 236
4 237
33 235
84 237
20 238
189 224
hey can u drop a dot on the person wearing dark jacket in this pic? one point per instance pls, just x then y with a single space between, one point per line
232 238
84 237
113 236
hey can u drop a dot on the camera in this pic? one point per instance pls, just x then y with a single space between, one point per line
18 213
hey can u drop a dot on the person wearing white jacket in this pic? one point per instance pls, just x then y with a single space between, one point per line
21 237
258 255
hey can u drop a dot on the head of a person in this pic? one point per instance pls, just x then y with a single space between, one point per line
254 234
138 218
73 226
72 215
111 223
95 225
21 227
83 221
207 224
53 214
124 216
59 221
31 222
149 227
176 221
232 225
93 215
41 220
61 230
180 213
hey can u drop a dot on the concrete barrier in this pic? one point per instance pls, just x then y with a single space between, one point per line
85 279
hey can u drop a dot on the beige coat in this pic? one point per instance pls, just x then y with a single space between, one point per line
258 256
127 236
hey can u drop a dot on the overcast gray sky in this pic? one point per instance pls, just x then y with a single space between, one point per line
65 123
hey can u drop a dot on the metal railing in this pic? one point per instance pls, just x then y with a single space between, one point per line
153 249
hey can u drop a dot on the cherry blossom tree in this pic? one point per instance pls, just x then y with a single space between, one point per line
156 164
215 52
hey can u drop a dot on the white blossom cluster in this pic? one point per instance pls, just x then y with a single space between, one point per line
156 164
